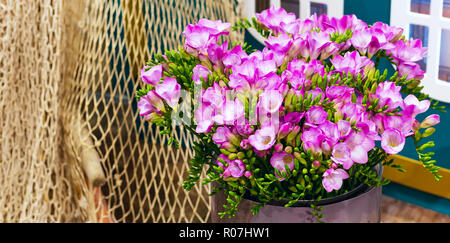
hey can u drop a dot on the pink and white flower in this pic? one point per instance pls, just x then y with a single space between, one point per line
152 75
264 138
333 179
170 91
392 141
280 160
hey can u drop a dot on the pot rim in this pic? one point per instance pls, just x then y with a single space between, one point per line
358 191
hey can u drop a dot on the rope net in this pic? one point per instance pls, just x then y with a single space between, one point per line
73 146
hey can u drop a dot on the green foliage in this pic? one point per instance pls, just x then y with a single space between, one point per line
341 37
255 24
426 158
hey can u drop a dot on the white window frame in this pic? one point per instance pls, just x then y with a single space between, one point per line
335 8
402 16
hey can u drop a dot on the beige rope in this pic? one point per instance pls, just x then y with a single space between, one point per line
69 123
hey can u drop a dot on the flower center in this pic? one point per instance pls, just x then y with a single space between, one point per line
266 140
287 159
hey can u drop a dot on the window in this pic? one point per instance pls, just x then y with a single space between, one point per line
420 32
428 20
302 8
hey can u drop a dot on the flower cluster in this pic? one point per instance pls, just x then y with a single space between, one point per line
302 116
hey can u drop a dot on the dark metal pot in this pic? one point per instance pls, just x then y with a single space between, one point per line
362 205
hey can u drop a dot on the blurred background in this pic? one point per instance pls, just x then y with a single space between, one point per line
74 149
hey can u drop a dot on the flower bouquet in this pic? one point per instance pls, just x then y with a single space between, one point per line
309 117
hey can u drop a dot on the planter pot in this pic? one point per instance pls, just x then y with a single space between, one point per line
362 205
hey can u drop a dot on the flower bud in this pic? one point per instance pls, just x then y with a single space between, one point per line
228 147
289 96
428 132
278 147
226 174
293 134
241 155
232 156
234 139
430 121
288 150
298 156
156 101
248 174
155 118
285 129
316 164
415 126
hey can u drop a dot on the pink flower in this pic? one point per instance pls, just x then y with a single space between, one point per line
379 42
280 160
244 128
153 75
271 101
402 123
280 44
330 130
333 179
392 141
264 138
245 144
342 155
391 33
215 27
312 139
145 106
203 115
251 74
170 91
274 17
294 118
316 115
389 94
236 169
151 103
199 72
359 145
198 39
234 56
347 22
410 69
320 45
352 111
344 128
214 96
221 135
430 121
361 40
216 53
417 107
340 94
351 62
231 112
410 51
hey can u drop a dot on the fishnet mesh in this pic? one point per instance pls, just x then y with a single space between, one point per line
73 147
